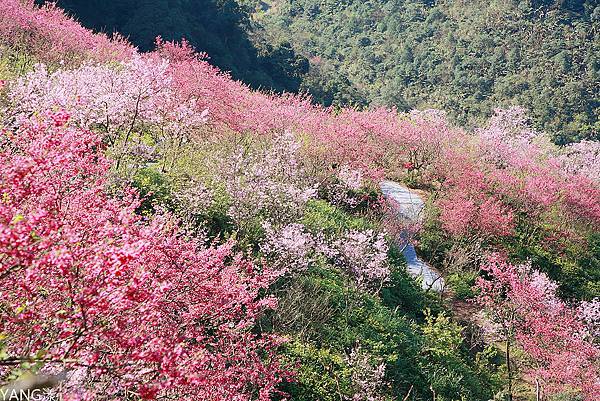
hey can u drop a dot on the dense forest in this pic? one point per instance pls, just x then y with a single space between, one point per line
171 231
465 57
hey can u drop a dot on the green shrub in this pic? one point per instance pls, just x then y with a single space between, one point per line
322 216
402 293
462 284
327 310
575 267
154 189
444 363
320 374
14 63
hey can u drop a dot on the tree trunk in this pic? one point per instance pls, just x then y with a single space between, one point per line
509 370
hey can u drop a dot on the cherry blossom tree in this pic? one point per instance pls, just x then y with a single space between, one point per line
582 158
128 302
341 188
52 36
117 100
268 182
363 256
522 302
89 286
368 379
291 248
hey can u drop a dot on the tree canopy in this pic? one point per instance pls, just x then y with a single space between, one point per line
465 57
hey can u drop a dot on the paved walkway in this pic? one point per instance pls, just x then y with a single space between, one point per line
410 206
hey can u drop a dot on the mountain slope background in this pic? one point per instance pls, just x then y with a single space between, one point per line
464 57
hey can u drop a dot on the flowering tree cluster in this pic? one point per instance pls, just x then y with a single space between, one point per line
512 172
589 312
88 286
193 201
518 166
119 100
51 36
268 183
376 141
342 187
367 379
291 248
362 255
469 206
557 340
582 158
508 138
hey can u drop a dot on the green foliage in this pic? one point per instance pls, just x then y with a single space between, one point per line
442 336
462 284
433 241
576 268
345 318
153 187
327 317
323 217
450 377
464 57
157 189
402 292
14 63
321 374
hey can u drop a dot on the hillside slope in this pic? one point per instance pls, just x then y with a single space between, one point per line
465 57
218 28
169 232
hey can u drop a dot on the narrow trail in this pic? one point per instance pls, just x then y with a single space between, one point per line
410 206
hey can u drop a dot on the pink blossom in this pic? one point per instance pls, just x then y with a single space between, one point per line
290 248
93 284
267 182
351 178
363 255
340 189
589 312
582 158
367 378
50 35
554 336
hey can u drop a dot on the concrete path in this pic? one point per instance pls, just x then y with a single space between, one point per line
410 206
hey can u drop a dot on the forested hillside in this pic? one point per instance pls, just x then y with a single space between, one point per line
170 233
465 57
